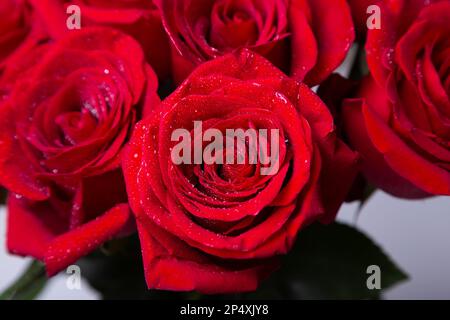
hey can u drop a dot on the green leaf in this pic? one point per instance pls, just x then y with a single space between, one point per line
327 262
29 285
367 194
330 262
3 195
116 272
165 89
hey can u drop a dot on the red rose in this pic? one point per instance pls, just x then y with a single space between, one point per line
308 38
219 228
63 130
401 124
138 18
361 16
17 29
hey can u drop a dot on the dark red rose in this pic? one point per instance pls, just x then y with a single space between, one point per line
308 38
361 16
138 18
400 121
18 29
63 129
220 228
332 92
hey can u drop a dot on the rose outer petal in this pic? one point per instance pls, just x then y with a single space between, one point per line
333 28
171 264
384 153
27 235
17 173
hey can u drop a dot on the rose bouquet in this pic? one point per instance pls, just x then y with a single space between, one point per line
175 146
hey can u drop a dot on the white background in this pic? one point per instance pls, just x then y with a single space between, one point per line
415 234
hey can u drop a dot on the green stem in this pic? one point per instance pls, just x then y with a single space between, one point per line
29 285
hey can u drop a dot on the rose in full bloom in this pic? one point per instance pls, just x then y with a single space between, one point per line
306 38
219 228
400 118
64 126
138 18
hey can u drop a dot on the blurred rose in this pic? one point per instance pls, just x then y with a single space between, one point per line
18 29
138 18
400 119
307 38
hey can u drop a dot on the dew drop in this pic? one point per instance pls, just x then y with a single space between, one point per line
281 97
